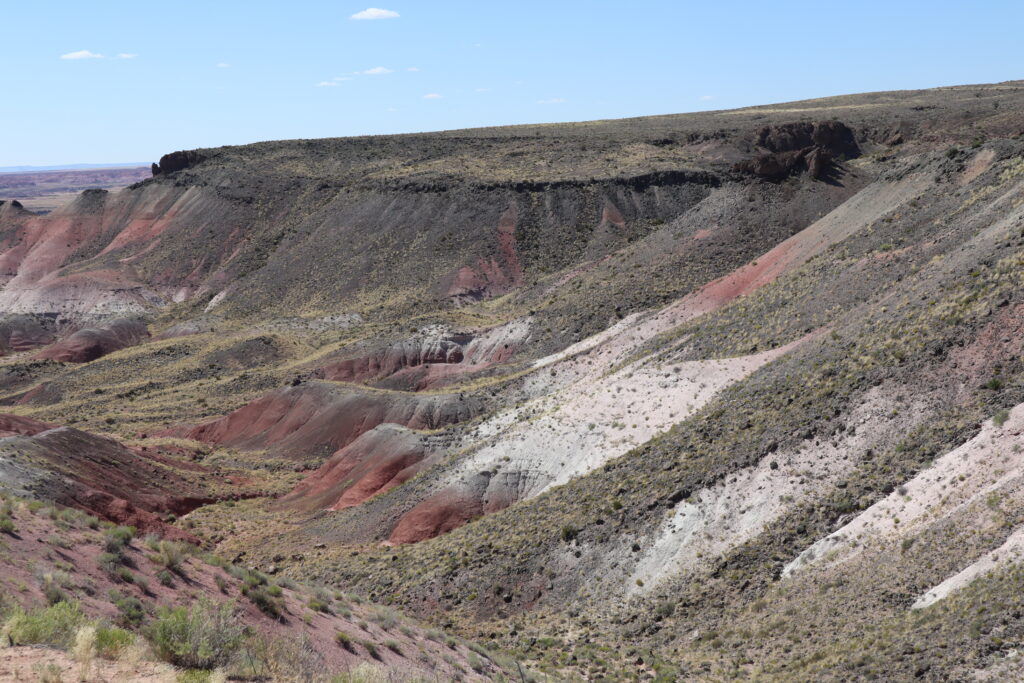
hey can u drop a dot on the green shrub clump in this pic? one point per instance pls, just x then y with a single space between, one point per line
111 641
54 625
117 538
206 636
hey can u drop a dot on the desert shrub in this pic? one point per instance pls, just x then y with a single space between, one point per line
47 672
263 600
344 640
371 649
222 583
171 555
84 650
569 533
59 541
364 672
54 625
393 646
7 526
292 659
131 611
53 593
385 617
203 637
166 578
109 562
116 538
51 585
1001 417
112 641
318 605
253 579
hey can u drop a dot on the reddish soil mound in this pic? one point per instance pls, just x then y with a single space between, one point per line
15 425
391 359
376 462
46 393
98 474
315 419
95 342
25 332
439 514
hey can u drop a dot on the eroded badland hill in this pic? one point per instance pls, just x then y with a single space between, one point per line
704 397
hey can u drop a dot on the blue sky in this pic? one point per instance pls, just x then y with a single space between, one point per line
185 74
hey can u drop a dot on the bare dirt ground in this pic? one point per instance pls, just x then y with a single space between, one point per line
33 663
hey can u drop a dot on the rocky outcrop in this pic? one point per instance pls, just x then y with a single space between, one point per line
798 147
177 161
833 136
391 359
429 362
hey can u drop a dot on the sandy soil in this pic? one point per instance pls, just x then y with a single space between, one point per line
28 663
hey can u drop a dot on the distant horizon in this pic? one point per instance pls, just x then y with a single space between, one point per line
72 167
115 85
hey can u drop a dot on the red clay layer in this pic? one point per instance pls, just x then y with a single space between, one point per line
315 419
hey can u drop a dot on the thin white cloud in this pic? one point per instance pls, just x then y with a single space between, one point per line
326 84
343 78
223 65
432 96
413 68
82 54
707 98
553 100
377 71
126 55
374 13
482 90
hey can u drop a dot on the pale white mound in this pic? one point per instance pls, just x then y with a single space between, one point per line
990 464
552 440
1010 551
717 519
